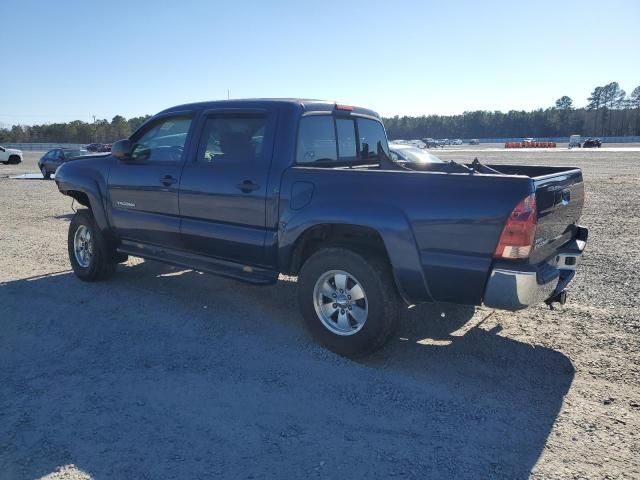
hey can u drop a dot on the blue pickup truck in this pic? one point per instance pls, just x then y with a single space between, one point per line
250 189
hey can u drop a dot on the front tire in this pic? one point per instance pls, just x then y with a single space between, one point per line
349 301
46 175
88 252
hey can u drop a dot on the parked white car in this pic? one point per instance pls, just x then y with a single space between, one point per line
417 143
10 156
575 141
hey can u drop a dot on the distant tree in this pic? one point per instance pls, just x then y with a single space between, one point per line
120 128
634 102
613 99
135 122
564 103
595 104
595 99
18 133
564 107
618 96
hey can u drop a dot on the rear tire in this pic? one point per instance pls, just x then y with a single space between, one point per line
89 254
373 298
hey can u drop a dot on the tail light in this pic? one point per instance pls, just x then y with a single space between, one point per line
516 240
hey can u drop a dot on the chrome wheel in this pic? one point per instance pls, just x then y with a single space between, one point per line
340 302
83 246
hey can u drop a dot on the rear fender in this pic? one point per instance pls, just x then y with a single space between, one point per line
390 223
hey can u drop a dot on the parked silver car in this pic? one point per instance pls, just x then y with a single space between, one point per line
410 154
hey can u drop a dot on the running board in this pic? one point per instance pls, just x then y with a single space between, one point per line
224 268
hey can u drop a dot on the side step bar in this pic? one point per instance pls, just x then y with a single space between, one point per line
245 273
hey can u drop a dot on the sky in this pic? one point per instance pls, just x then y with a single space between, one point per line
64 60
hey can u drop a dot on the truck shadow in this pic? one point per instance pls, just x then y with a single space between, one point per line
168 373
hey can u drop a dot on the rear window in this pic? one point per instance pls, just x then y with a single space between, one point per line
347 148
372 139
325 139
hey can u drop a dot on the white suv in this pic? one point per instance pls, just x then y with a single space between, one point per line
10 156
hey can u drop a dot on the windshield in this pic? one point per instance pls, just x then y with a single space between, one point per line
415 155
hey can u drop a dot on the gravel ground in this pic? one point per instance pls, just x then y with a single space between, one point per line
167 373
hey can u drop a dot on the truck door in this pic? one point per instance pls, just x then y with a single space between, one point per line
143 191
223 189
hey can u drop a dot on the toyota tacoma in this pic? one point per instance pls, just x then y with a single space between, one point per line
250 189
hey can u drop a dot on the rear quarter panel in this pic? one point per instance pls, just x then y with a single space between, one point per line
440 230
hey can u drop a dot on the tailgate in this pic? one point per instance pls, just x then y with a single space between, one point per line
559 198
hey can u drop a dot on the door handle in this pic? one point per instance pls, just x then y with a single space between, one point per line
168 180
248 186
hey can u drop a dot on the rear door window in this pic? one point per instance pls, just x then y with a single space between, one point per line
317 140
232 137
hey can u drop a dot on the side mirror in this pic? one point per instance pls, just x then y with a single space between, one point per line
122 150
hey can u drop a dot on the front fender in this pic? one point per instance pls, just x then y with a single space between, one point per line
389 222
89 180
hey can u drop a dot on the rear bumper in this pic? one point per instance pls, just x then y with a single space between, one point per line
512 288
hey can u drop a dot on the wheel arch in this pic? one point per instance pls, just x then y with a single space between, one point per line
81 197
323 234
86 191
391 237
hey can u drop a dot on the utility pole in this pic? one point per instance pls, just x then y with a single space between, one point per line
227 94
95 130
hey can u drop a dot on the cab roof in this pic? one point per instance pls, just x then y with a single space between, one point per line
304 104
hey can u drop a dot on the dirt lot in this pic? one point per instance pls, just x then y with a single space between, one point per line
166 373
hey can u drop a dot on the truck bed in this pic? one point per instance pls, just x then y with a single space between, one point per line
455 217
559 199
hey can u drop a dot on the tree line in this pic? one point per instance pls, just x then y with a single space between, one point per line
609 112
100 131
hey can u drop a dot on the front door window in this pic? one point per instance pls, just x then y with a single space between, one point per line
163 141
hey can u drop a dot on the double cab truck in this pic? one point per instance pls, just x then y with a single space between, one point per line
250 189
